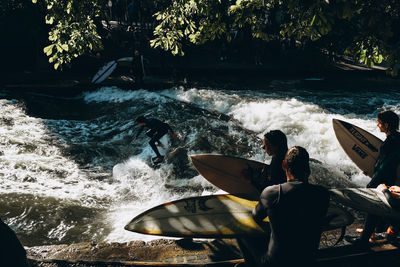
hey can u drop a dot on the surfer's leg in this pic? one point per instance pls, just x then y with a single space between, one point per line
369 227
152 144
158 143
150 133
364 241
156 139
158 135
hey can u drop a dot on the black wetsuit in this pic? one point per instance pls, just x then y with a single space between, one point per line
296 211
385 171
272 175
157 129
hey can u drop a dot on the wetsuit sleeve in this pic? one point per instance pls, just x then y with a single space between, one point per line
386 172
139 131
267 199
259 212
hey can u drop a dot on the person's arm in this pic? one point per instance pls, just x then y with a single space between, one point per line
267 199
394 202
385 171
138 133
259 212
172 133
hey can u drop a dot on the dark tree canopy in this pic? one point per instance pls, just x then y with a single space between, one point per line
367 30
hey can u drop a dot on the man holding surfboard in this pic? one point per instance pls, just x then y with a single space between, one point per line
385 166
385 170
157 130
296 211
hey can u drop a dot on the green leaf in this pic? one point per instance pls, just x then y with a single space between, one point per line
176 50
49 19
48 49
59 48
313 19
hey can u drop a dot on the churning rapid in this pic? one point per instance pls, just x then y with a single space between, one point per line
69 174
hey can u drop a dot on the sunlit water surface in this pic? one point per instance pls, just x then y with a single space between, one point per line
69 174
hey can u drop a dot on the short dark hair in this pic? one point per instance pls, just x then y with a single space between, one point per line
277 138
141 119
297 162
389 117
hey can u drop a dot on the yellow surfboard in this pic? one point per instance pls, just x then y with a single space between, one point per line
214 216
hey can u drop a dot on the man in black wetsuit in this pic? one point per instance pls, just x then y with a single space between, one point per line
386 164
296 211
157 130
385 171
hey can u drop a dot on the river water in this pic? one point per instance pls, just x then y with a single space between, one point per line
69 174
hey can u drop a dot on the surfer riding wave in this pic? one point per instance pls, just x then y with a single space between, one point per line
157 129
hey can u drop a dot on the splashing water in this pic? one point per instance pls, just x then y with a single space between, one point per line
73 176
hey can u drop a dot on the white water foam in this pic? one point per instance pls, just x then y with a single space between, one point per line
32 160
305 123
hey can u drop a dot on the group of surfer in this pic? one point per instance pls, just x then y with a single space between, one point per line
296 209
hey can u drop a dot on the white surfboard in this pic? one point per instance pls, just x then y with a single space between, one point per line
361 146
215 216
104 72
125 59
225 173
369 200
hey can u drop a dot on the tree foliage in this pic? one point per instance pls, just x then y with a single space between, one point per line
365 29
73 31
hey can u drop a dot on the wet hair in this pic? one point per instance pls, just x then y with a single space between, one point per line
297 162
141 119
278 139
389 117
